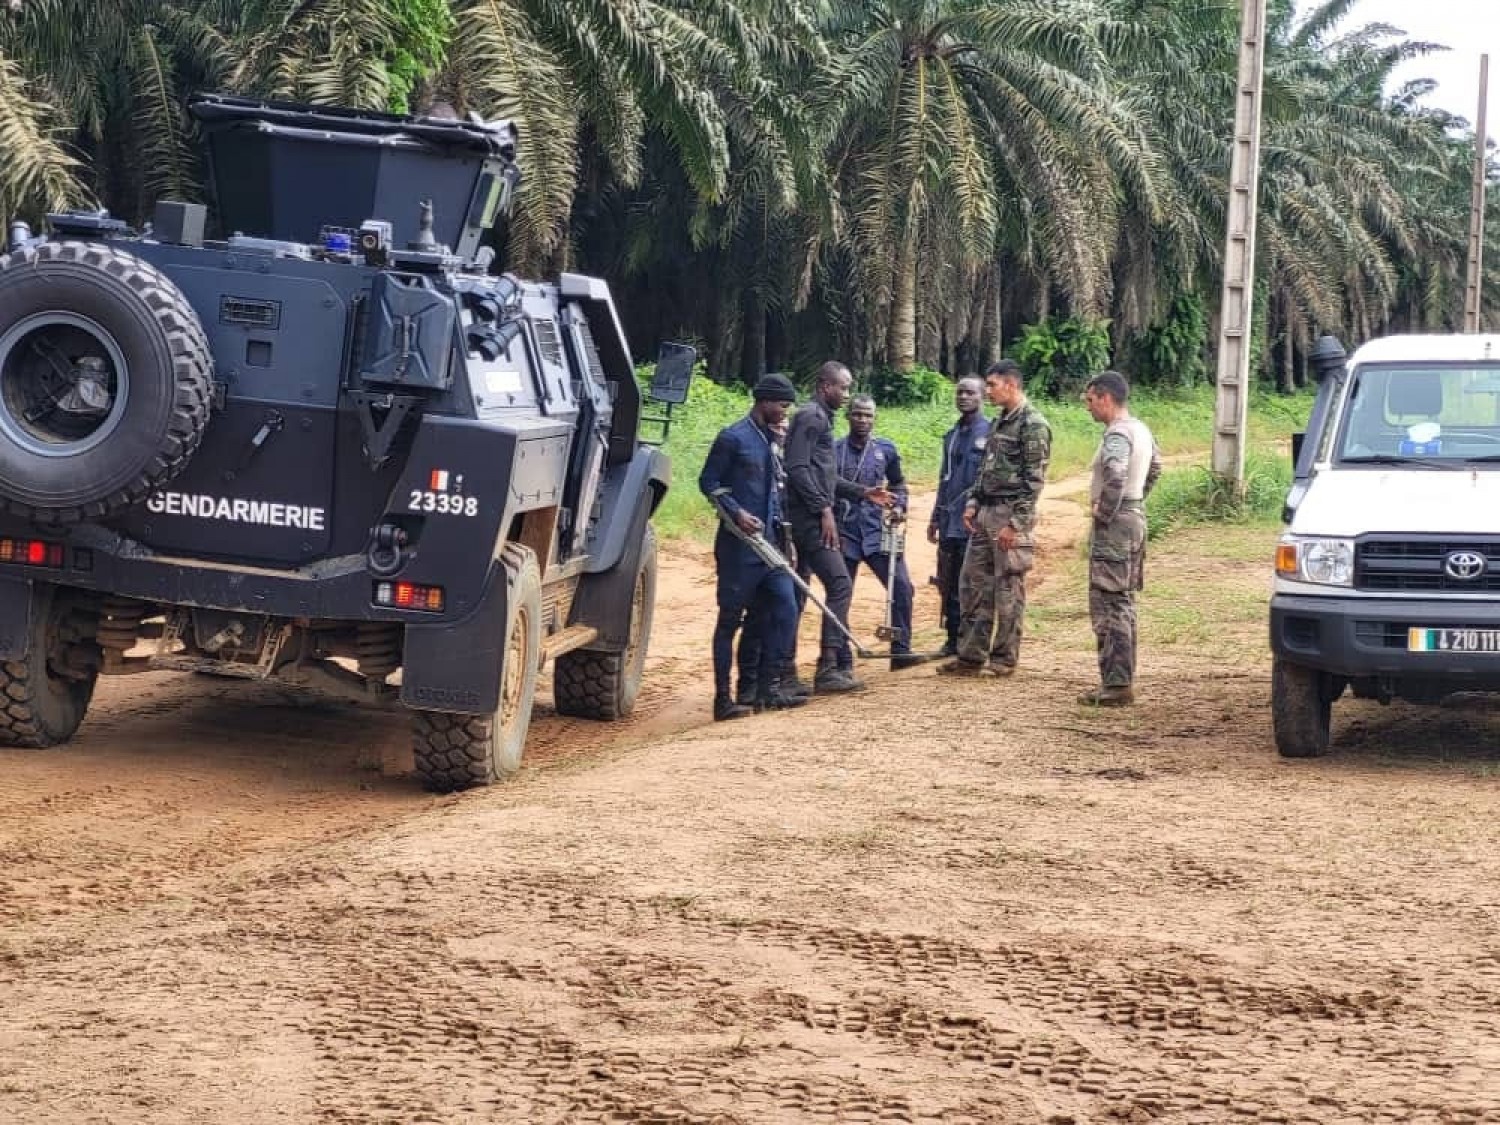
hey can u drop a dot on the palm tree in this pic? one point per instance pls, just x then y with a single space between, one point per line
964 129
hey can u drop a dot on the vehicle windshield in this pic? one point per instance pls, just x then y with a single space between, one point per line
1433 416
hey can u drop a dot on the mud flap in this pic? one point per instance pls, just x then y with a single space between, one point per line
457 667
605 600
15 617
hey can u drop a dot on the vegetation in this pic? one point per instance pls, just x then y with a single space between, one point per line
905 184
1180 421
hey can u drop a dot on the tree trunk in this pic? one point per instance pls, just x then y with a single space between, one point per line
753 353
1288 380
903 330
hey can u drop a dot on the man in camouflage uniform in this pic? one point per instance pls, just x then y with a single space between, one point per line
1000 513
1125 469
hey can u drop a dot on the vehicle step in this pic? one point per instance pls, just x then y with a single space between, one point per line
566 640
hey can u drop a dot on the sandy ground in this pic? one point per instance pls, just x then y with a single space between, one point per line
936 901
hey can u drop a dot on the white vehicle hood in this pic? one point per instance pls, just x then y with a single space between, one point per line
1350 502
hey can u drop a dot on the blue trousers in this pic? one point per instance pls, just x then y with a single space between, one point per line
901 596
749 589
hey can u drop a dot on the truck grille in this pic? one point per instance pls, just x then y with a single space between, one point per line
1421 565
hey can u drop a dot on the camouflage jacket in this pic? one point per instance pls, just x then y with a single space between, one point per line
1014 467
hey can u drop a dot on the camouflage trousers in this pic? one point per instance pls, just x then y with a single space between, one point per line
1117 558
992 592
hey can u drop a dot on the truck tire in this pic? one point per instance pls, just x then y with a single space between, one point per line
604 685
105 381
1300 710
39 705
458 751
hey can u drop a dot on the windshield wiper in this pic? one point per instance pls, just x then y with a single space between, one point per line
1397 459
1483 457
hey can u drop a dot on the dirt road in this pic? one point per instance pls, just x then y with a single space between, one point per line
948 902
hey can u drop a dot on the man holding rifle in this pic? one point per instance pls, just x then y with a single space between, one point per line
871 536
740 480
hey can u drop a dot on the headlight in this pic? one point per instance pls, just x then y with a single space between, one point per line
1327 562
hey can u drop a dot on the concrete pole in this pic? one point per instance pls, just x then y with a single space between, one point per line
1474 283
1237 301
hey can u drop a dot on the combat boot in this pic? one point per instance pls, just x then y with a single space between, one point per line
726 708
831 680
1107 696
792 684
958 666
1000 668
744 693
775 698
900 660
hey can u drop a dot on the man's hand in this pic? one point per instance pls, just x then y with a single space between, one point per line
1005 538
932 533
881 496
748 523
970 519
830 530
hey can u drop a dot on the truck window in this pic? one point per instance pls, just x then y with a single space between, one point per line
1425 413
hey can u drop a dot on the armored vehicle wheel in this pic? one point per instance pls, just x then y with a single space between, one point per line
104 381
44 695
457 751
1300 710
604 685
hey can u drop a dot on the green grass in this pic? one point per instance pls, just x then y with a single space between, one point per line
1182 423
1194 495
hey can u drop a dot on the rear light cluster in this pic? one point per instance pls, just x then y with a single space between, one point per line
408 595
32 552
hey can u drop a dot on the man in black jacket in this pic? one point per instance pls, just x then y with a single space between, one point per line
813 487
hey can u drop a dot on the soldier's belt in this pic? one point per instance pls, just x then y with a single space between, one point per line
996 501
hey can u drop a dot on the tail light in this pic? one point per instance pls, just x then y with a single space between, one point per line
409 595
31 552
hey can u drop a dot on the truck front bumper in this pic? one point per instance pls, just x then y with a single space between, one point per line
1368 637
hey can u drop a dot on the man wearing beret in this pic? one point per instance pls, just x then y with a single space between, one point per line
740 480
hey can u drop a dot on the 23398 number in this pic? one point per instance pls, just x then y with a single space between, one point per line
442 503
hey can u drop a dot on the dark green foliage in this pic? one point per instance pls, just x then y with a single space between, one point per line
917 387
1171 354
1060 353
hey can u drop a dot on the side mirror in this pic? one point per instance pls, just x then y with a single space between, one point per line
674 373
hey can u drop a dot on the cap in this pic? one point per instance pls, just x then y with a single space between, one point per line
776 388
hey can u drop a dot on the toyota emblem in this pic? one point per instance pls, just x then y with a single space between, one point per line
1464 565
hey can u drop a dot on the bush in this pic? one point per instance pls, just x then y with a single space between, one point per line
1196 495
920 386
1059 354
1171 354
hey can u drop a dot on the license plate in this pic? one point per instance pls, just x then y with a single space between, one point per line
1453 640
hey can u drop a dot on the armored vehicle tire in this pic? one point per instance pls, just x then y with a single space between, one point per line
457 751
1300 710
105 381
604 685
40 705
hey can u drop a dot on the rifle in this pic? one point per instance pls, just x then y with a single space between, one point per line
943 580
892 546
768 554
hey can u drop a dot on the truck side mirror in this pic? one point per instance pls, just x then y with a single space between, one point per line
674 373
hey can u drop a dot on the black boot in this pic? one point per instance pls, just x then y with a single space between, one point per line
791 684
774 698
726 708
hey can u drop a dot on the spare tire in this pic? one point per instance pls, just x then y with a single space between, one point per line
105 381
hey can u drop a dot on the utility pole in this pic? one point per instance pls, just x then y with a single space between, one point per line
1237 301
1474 285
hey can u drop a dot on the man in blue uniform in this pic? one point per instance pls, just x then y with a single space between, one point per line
740 479
963 449
874 462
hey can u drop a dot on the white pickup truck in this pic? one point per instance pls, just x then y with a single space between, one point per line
1388 574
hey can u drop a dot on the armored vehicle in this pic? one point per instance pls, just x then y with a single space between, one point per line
327 445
